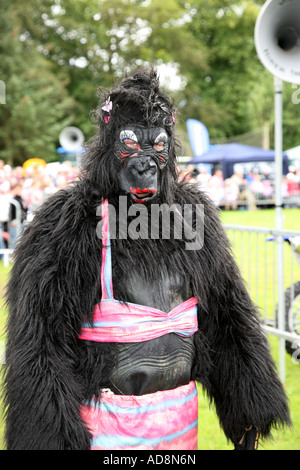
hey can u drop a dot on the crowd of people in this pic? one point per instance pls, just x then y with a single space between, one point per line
22 190
242 190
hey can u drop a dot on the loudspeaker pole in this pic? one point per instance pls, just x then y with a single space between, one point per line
277 40
278 87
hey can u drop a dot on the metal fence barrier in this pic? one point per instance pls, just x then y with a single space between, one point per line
255 250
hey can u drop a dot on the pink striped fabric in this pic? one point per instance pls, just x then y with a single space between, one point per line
106 272
166 420
127 323
115 321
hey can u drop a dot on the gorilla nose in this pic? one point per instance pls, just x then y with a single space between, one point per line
145 165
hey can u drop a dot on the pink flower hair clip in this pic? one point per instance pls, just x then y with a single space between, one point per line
107 107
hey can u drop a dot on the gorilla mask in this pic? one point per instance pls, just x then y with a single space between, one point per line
144 153
135 151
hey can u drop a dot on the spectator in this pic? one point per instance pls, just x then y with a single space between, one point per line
266 174
292 185
203 178
48 186
4 211
186 174
250 177
17 214
231 193
267 189
257 187
238 176
246 196
215 187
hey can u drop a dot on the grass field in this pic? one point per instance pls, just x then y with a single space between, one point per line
210 434
257 257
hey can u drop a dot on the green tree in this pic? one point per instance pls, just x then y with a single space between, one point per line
217 95
68 48
37 104
95 42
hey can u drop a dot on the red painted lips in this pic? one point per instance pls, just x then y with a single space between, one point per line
142 194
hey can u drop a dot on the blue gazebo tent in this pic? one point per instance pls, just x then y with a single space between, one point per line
226 156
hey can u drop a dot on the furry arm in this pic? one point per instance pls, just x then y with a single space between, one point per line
47 301
239 373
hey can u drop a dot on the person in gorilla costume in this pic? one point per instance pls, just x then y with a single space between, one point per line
93 359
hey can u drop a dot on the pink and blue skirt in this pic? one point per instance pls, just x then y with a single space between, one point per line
164 420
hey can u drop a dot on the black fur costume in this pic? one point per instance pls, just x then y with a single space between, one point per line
55 283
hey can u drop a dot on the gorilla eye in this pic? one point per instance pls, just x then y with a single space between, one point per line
159 146
131 144
129 138
160 141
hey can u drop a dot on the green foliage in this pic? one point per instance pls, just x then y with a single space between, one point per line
37 104
226 30
56 53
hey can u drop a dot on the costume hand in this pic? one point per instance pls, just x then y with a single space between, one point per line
249 440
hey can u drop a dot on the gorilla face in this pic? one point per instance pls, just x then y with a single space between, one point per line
144 153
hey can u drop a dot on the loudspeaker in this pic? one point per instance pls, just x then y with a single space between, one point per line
71 138
277 38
